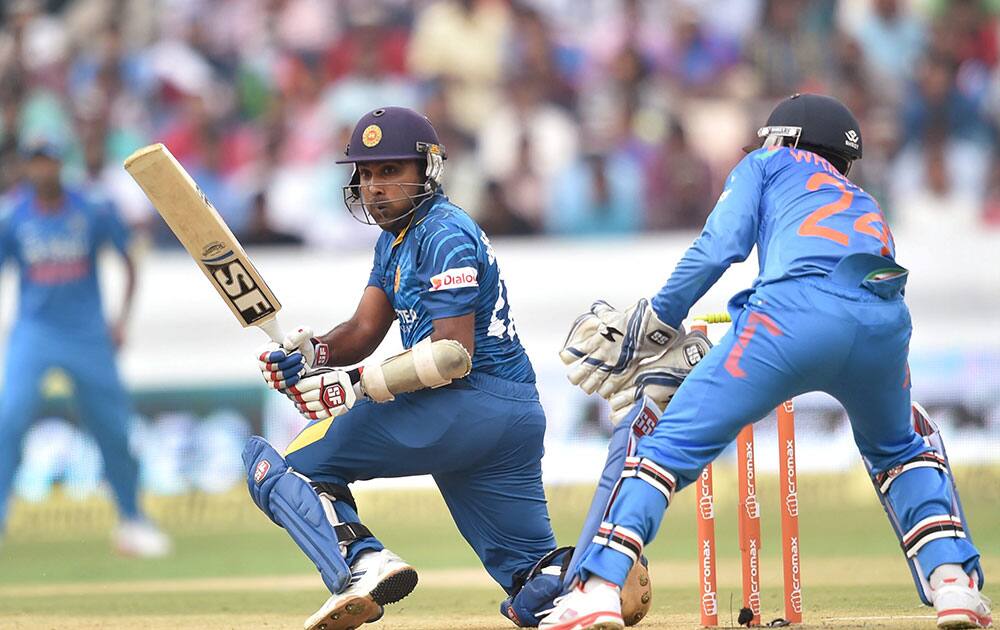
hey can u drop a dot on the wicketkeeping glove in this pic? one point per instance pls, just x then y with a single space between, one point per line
660 377
283 365
605 346
326 392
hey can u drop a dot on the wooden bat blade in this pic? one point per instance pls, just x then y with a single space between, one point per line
200 228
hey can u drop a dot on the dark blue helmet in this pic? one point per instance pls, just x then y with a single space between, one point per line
818 123
393 133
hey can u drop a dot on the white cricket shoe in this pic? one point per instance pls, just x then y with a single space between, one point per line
378 578
594 605
959 604
140 539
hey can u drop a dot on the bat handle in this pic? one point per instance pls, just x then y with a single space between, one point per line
273 330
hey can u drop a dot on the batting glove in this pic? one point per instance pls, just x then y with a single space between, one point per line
284 365
605 346
326 392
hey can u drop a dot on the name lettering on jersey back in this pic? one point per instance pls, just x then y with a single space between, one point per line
811 158
460 278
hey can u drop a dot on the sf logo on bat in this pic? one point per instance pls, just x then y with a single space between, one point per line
237 283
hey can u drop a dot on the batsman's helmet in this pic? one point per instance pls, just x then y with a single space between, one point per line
818 123
388 134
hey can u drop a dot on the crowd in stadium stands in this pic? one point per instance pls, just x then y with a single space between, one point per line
559 116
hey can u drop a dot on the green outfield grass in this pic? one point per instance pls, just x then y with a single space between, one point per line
233 569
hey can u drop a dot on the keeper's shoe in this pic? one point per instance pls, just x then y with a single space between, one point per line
959 604
378 578
594 605
140 539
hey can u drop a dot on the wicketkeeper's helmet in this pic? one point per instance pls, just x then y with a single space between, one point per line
815 122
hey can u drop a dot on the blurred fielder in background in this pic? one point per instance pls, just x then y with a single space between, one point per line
459 404
825 313
54 234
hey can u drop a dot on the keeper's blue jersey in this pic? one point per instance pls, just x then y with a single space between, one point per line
56 254
800 212
442 265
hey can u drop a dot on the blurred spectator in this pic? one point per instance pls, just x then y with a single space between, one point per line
367 83
461 43
973 31
891 37
599 194
936 97
259 230
698 58
498 218
643 25
532 49
786 57
308 133
106 178
259 95
939 185
680 191
524 143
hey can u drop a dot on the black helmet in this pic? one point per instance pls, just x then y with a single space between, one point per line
816 122
387 134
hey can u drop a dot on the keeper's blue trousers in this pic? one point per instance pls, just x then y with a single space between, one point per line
788 338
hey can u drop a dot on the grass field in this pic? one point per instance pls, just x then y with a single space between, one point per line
233 569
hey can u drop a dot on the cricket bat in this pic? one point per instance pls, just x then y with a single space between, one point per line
208 239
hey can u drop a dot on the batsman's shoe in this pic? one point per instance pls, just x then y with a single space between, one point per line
140 539
959 604
594 605
378 578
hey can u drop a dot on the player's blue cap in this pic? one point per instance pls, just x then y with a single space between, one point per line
42 147
392 133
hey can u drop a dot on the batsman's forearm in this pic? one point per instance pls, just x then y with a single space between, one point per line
350 343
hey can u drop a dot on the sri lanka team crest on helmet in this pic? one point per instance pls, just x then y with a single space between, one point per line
371 136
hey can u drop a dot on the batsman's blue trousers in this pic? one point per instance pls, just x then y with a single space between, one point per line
480 437
788 338
99 397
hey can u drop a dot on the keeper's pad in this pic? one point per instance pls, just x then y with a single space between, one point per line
534 592
427 364
953 525
620 463
290 500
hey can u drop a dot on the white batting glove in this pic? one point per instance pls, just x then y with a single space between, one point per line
605 346
283 365
279 367
326 392
660 377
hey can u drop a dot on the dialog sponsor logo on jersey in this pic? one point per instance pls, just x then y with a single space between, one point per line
460 278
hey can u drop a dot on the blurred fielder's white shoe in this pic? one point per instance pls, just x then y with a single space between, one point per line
594 605
140 539
378 578
958 602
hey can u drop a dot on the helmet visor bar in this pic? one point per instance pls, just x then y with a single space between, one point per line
778 135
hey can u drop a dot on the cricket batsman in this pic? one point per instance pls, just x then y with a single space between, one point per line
826 313
54 233
459 403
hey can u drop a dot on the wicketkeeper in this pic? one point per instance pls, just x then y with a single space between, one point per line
826 313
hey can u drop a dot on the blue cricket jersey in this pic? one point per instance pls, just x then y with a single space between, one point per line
803 215
56 254
442 265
